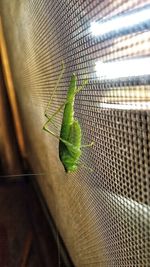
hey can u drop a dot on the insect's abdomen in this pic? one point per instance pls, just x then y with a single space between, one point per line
70 151
75 134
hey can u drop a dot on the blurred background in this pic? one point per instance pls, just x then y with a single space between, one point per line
98 215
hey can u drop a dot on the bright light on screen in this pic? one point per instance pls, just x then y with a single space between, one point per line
122 69
126 21
127 105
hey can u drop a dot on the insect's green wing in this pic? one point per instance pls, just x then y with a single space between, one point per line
69 151
75 134
68 114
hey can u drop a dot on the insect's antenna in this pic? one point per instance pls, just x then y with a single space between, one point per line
20 175
56 86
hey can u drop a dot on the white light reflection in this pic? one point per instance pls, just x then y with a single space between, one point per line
122 69
127 21
134 44
126 106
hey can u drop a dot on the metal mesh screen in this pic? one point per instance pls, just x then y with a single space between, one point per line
103 215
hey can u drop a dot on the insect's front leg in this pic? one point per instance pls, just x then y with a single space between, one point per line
82 86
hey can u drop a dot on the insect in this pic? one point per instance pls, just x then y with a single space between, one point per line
70 134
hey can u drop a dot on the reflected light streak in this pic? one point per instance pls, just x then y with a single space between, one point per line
123 69
126 21
138 42
126 106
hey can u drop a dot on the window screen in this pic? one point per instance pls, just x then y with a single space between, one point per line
102 210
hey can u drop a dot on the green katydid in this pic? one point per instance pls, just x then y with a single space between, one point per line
70 134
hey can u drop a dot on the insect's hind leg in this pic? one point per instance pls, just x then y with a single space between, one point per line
71 147
49 119
49 131
55 88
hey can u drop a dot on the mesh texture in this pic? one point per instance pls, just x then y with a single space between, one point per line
103 214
